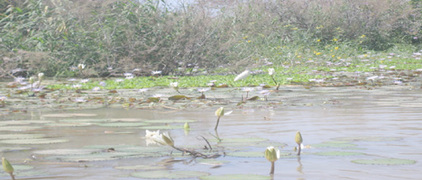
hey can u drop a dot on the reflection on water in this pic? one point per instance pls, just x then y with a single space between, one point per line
300 167
361 126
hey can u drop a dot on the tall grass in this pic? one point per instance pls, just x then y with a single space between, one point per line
116 36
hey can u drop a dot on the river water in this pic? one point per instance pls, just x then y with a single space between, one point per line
344 135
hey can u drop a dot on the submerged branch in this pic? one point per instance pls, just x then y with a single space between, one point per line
209 145
196 154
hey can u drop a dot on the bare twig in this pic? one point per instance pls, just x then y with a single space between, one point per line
209 145
195 153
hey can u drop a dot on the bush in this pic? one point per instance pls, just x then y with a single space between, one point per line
116 36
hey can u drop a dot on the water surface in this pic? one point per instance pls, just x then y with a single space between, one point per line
372 124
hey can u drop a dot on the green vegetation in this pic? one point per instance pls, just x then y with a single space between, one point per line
185 81
113 37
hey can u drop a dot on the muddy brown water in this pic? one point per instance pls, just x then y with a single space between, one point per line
382 123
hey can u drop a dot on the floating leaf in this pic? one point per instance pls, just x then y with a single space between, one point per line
178 97
21 136
18 128
112 91
24 122
91 157
162 127
369 139
84 120
69 124
253 98
129 148
246 154
19 167
64 115
170 121
339 153
153 99
64 151
34 141
236 177
222 86
384 161
11 149
201 97
334 144
122 124
169 174
105 155
30 173
125 120
241 140
253 154
212 162
141 167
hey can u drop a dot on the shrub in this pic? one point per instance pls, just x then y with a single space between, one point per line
116 36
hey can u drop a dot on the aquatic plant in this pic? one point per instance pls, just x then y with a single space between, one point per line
7 167
247 90
219 113
80 68
3 101
40 78
266 93
272 154
271 72
175 86
202 90
299 140
166 140
31 81
186 126
150 137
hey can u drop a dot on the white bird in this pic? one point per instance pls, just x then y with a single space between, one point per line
242 75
